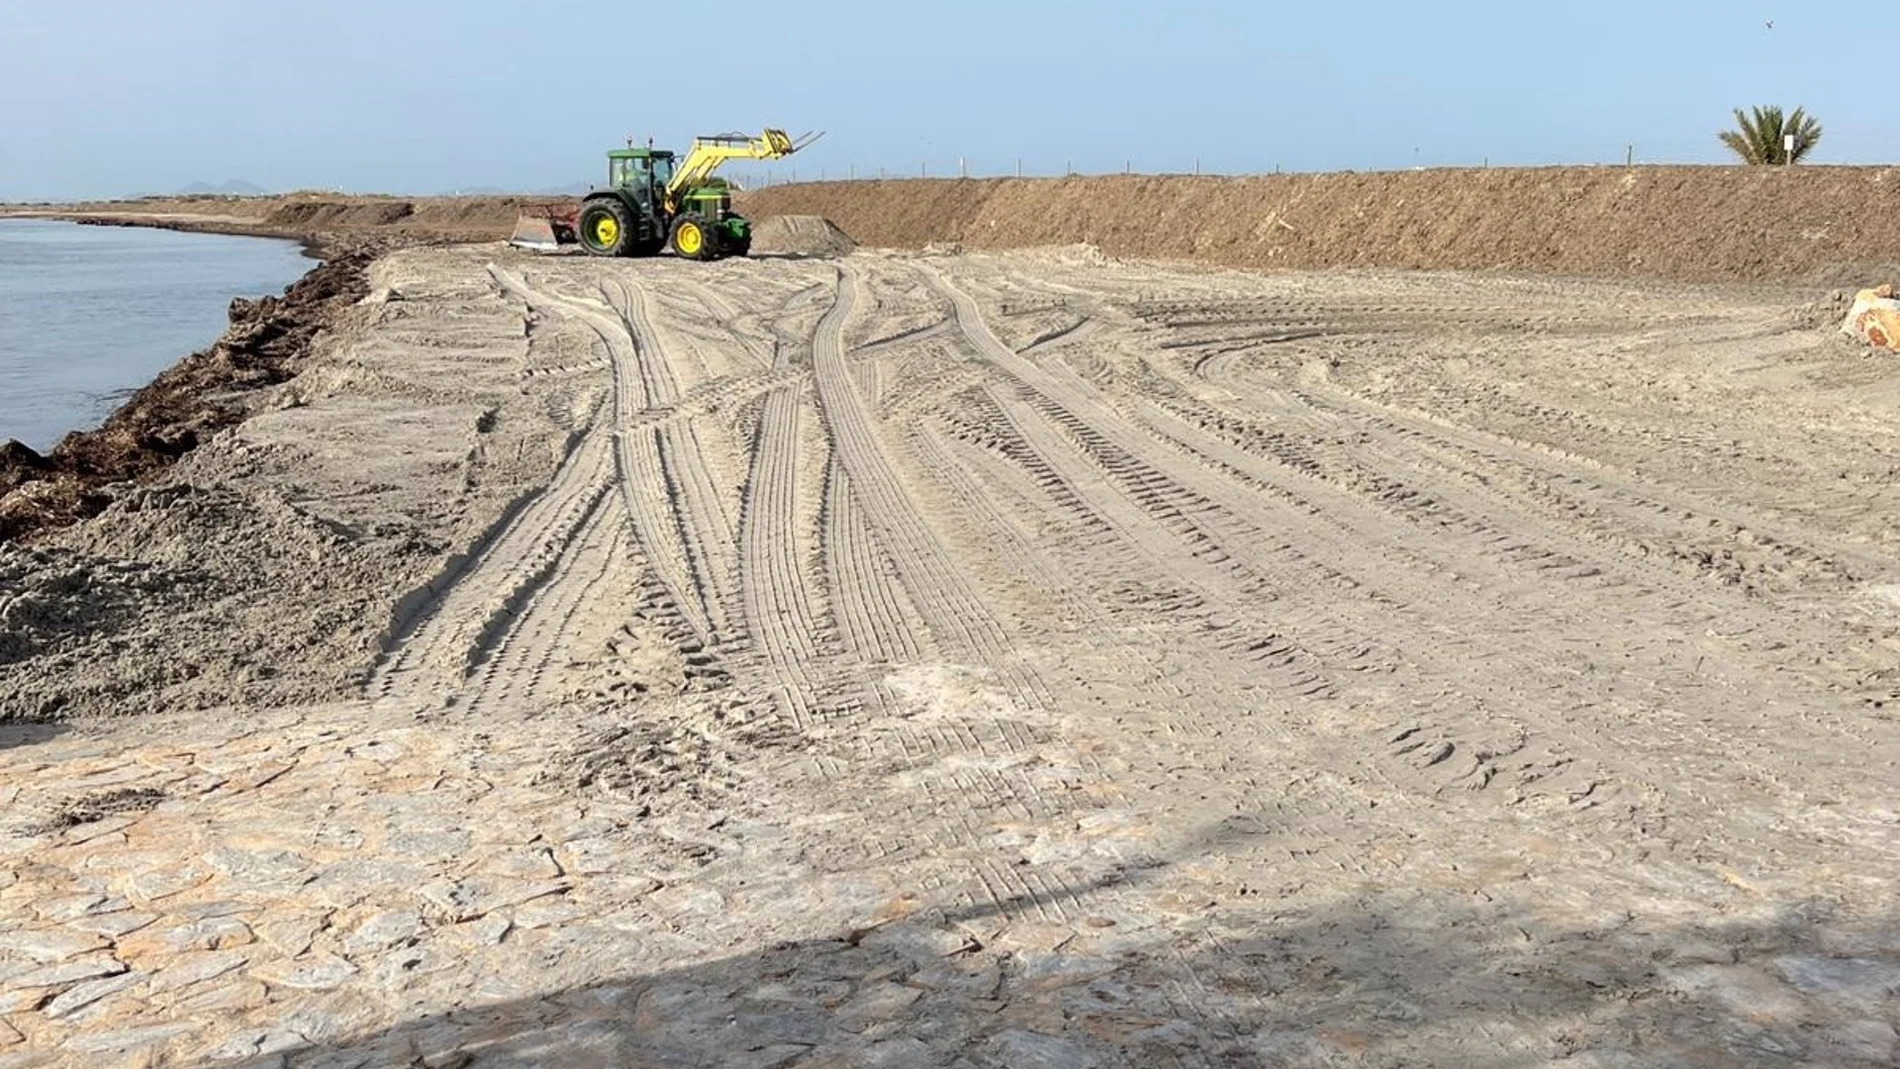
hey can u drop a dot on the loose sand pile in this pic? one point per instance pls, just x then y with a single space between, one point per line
801 235
53 599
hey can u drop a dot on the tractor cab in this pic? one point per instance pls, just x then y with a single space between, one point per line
643 173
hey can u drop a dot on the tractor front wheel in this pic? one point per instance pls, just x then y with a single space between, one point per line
693 239
605 228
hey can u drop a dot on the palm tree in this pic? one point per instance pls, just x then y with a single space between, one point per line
1762 137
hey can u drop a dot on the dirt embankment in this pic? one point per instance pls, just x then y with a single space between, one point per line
426 219
200 394
321 220
1810 224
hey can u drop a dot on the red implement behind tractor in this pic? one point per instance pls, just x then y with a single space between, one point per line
546 226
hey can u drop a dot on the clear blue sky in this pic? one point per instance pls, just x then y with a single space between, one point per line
114 97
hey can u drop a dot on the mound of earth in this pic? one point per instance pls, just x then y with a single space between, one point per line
325 220
335 214
801 235
1811 225
427 218
1816 226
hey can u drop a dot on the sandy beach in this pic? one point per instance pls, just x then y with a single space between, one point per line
990 658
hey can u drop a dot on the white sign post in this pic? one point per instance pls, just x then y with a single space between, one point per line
1787 147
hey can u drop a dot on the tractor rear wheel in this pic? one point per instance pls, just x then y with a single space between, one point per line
605 228
693 239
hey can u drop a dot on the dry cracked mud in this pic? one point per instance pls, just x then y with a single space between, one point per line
1016 660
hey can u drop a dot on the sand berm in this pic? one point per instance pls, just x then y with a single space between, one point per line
1823 225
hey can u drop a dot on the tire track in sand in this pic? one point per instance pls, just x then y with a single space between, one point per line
1550 737
671 493
662 476
1515 515
1334 625
872 611
493 628
522 663
956 762
467 612
777 602
952 608
467 616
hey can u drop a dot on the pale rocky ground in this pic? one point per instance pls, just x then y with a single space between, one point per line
1028 660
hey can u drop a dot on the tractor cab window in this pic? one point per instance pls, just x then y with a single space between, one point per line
629 171
663 169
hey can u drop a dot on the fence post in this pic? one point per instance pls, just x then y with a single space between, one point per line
963 168
1197 165
1019 166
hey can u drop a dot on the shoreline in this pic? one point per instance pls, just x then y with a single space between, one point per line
320 221
201 393
312 246
312 243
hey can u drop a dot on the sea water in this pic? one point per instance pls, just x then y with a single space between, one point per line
89 314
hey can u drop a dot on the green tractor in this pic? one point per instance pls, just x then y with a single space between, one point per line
653 200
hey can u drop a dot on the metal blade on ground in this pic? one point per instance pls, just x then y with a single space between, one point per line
534 232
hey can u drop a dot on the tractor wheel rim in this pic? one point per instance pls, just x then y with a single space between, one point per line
606 230
690 239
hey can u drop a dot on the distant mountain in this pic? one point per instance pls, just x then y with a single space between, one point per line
236 187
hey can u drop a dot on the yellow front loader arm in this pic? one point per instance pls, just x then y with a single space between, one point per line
708 153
